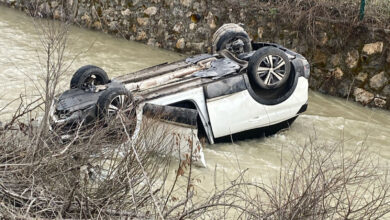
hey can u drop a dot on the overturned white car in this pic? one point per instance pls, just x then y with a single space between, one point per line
244 85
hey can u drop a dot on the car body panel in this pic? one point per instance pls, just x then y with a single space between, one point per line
290 107
235 113
195 96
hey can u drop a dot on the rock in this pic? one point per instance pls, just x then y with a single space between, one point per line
57 14
150 11
113 26
386 90
44 8
375 64
211 20
143 21
125 23
335 60
54 4
373 48
198 47
363 96
343 89
160 23
361 77
323 38
319 57
212 24
109 13
192 26
178 28
151 42
126 12
180 44
260 32
141 36
177 12
186 3
337 73
86 18
378 81
378 102
94 13
97 25
352 59
70 3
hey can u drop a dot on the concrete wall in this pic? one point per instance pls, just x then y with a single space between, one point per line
346 61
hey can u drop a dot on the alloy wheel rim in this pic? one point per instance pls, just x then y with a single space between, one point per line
116 104
271 70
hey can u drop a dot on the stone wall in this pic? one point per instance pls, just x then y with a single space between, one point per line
346 61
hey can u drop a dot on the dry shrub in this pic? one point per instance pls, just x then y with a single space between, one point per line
103 173
313 17
306 12
96 174
325 181
318 181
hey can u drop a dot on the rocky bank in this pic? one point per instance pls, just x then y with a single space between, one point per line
349 62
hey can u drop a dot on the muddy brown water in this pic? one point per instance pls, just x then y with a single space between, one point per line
329 119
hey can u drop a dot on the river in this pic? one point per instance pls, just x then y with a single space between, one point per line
329 119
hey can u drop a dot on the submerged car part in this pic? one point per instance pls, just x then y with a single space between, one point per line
180 126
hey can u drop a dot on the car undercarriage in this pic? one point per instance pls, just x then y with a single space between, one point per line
242 86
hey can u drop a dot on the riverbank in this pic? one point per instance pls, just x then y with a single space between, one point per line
349 61
340 121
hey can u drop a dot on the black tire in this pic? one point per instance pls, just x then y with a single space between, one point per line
119 97
228 35
264 72
88 75
224 28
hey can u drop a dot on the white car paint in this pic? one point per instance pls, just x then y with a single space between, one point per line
240 112
290 107
234 113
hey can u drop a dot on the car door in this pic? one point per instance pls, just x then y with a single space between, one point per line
232 109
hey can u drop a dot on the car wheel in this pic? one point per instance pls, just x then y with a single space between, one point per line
113 100
269 68
88 76
233 38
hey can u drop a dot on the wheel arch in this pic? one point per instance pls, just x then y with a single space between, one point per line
294 75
